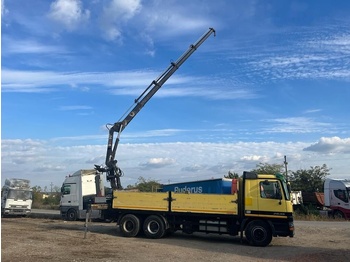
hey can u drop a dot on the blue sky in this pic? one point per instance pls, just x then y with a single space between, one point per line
273 82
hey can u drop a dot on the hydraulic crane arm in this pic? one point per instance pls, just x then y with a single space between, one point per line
112 170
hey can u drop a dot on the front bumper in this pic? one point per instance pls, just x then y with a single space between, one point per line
17 211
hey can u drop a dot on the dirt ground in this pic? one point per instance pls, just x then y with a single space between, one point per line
34 239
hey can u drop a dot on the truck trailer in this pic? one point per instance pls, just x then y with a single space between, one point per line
16 197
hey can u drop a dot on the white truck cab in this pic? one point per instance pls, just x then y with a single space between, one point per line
16 197
77 192
337 197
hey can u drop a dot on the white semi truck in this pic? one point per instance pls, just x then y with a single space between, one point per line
16 197
77 192
334 201
337 197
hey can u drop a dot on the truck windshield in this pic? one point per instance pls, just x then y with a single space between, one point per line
343 195
20 194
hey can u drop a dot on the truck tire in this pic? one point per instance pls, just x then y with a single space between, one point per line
71 215
154 227
338 215
258 233
129 225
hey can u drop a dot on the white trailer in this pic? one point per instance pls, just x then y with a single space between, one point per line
297 198
16 197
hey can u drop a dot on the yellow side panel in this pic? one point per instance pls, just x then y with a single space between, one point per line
204 203
140 201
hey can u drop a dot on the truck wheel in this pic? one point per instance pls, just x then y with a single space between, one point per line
258 233
154 227
338 214
129 225
71 215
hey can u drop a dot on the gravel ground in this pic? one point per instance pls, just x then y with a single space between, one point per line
34 239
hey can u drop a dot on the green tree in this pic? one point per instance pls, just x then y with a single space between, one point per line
265 168
231 175
37 196
145 185
52 201
310 180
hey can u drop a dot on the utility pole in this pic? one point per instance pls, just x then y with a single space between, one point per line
51 184
285 166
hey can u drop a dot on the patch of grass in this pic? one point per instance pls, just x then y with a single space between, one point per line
311 217
313 214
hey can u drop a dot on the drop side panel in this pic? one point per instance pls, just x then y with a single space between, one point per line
204 203
140 201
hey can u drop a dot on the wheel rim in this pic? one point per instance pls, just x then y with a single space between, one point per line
153 227
71 214
129 226
338 214
259 234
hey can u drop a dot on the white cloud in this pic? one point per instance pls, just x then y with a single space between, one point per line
311 111
254 158
331 145
69 13
29 46
121 83
160 161
4 10
194 168
338 44
297 125
116 14
75 107
305 53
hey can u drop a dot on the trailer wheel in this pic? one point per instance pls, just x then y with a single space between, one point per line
338 214
258 233
129 225
154 227
71 215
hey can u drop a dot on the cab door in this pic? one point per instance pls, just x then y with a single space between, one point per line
271 200
69 196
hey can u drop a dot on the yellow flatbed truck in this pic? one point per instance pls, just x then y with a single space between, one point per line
259 208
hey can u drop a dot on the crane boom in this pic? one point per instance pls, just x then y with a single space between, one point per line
112 170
